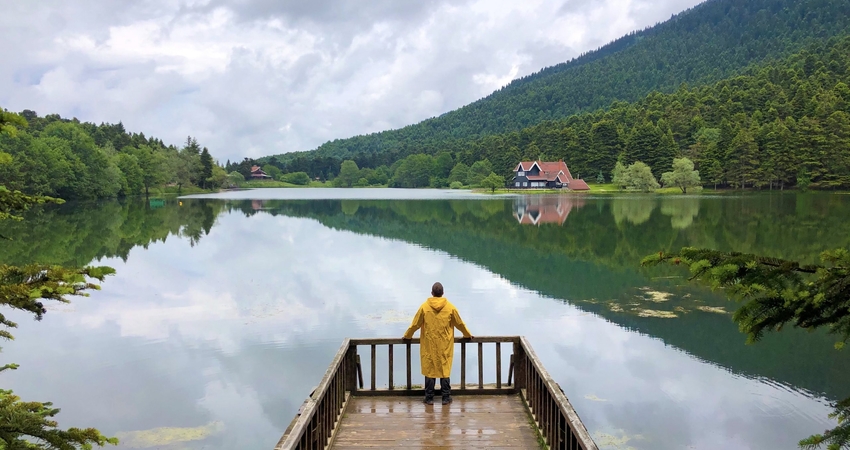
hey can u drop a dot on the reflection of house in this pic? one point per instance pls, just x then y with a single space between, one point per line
534 210
258 174
552 175
257 205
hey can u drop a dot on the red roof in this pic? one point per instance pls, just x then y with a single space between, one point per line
578 185
551 171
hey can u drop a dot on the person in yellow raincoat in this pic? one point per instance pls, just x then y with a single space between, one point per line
437 318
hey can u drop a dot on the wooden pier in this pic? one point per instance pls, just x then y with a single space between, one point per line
525 409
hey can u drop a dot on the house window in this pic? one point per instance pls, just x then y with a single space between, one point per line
520 173
516 184
525 184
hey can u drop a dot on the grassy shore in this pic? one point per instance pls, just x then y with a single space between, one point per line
606 188
171 191
257 184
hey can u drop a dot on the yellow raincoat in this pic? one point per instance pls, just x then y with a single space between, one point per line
438 318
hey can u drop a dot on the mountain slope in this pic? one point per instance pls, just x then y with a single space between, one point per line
704 44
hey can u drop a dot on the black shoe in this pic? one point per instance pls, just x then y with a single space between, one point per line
428 401
446 401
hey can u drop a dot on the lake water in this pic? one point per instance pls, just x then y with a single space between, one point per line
227 309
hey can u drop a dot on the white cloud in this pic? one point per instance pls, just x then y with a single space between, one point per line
261 77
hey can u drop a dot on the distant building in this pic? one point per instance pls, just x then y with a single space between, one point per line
546 175
258 174
537 209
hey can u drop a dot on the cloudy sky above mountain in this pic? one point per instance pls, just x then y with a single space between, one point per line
258 77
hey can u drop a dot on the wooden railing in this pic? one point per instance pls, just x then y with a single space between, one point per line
319 416
387 347
557 421
317 422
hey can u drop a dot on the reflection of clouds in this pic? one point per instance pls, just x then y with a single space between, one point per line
245 323
154 321
692 403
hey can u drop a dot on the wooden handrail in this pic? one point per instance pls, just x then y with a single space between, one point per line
458 339
316 422
556 420
555 416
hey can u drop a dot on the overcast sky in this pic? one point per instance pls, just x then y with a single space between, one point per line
259 77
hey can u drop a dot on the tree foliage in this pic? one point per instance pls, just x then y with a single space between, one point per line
640 177
776 293
493 181
30 425
683 175
79 160
299 178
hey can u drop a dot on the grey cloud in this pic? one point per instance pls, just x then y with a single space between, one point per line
327 11
262 77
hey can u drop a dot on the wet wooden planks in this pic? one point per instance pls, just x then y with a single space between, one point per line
484 421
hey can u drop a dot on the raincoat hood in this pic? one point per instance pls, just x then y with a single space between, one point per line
437 303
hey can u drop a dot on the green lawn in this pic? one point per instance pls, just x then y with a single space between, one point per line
166 191
258 184
607 188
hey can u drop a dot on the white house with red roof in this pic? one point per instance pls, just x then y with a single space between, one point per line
546 175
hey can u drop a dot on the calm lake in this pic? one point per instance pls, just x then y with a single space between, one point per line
227 309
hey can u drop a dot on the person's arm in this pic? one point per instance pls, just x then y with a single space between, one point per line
457 322
418 320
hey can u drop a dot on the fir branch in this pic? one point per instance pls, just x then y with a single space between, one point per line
775 293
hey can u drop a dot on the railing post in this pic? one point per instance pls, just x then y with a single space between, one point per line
498 365
390 356
409 370
480 365
351 369
463 365
374 357
519 366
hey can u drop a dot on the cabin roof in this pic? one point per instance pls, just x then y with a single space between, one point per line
549 171
579 185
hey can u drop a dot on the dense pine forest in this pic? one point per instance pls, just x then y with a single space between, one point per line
778 124
78 160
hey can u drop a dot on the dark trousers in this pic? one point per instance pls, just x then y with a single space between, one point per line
445 386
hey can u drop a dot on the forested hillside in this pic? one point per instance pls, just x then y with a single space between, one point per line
779 124
72 160
704 44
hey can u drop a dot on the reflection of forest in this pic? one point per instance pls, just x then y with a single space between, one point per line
537 210
591 261
77 233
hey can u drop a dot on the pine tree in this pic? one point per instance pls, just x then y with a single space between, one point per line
776 293
206 168
643 142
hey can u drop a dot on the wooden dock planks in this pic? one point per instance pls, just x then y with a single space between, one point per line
482 421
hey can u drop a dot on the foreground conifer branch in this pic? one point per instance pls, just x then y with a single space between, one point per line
30 425
776 293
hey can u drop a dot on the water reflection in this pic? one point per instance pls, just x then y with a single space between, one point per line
224 315
536 210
